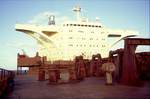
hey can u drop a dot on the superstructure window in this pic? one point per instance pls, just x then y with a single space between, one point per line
70 44
102 32
103 45
70 37
80 31
83 38
61 38
70 30
91 38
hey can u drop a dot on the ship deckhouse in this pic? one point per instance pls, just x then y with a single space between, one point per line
72 38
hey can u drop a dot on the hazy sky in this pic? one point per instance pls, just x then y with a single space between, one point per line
115 14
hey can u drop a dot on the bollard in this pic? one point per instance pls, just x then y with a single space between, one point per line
72 75
87 68
41 75
53 76
82 73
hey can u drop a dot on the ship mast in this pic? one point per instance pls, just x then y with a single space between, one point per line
77 9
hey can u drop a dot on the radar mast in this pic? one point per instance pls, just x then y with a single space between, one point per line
77 10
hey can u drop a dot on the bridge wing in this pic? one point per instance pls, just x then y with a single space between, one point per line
120 34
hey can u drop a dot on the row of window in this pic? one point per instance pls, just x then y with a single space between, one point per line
85 45
80 31
87 54
82 25
89 38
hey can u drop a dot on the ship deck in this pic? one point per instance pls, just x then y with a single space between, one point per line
27 87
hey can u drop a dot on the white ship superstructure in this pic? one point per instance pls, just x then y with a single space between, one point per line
73 38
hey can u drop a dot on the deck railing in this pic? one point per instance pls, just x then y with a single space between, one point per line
6 81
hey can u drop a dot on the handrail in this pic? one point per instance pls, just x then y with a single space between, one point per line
6 81
5 74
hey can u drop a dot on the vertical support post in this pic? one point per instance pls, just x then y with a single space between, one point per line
72 75
129 69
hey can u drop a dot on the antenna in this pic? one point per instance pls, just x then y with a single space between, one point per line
77 9
97 19
51 20
24 53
